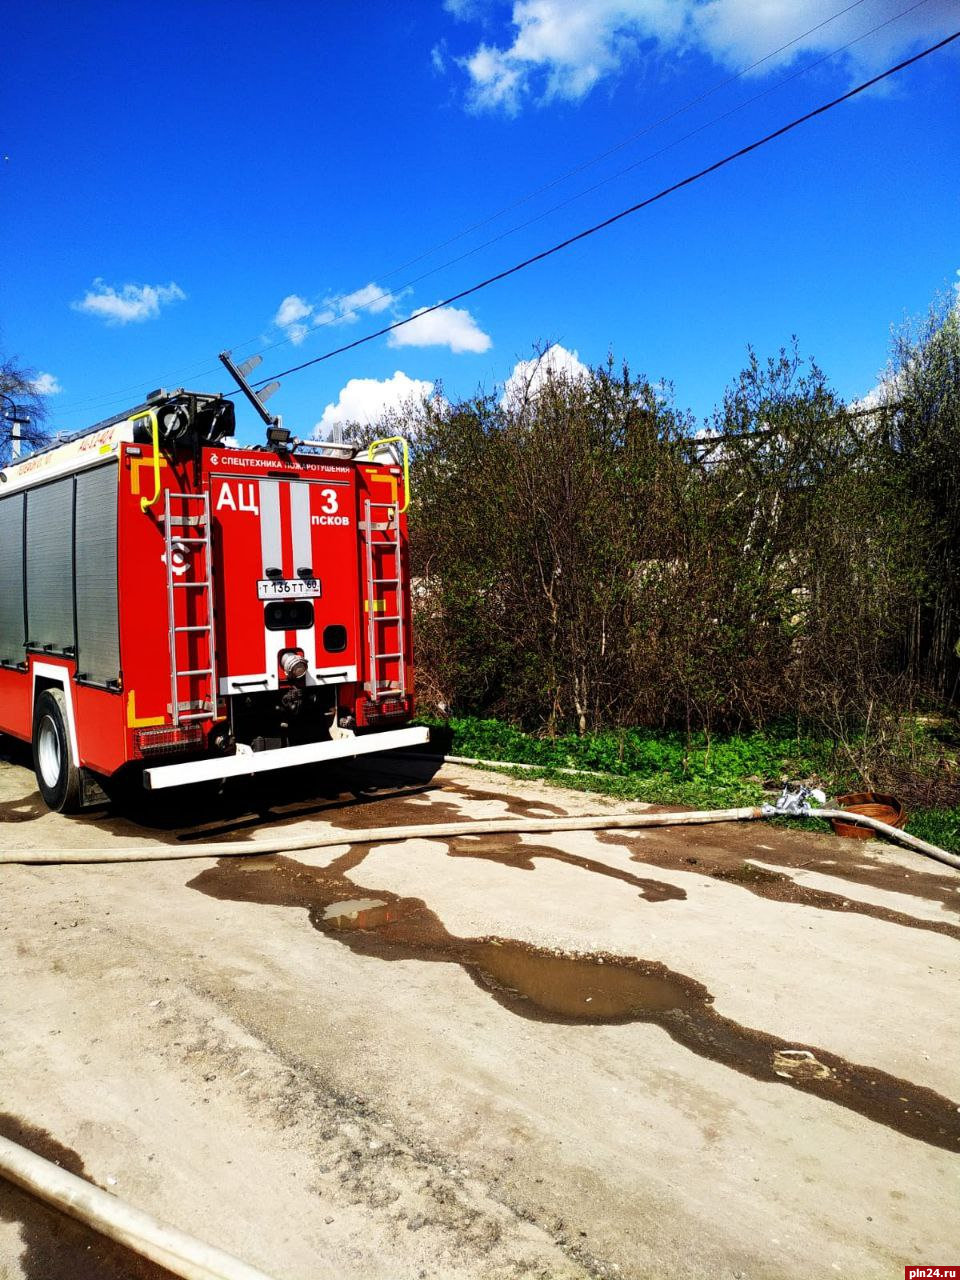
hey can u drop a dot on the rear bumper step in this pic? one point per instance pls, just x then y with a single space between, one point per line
176 775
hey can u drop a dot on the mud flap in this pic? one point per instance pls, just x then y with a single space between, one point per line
92 795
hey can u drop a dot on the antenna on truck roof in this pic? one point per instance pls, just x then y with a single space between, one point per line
277 435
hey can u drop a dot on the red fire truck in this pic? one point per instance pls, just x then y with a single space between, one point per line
193 611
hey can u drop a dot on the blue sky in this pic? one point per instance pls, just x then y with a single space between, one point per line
182 177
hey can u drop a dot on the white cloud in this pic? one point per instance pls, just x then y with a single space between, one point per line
452 327
296 316
291 309
562 50
529 375
46 384
887 390
370 298
466 10
738 32
497 82
130 304
363 400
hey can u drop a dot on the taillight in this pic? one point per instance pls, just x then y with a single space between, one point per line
384 709
167 738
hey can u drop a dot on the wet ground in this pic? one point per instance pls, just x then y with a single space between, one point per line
556 987
52 1243
700 1051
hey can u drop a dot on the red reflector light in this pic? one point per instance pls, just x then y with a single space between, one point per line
166 738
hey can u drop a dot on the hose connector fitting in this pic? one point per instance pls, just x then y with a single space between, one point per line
294 665
794 804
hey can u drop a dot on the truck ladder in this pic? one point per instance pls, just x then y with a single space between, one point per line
183 709
384 574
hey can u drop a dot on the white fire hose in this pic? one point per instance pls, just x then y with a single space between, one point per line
892 833
790 804
140 1232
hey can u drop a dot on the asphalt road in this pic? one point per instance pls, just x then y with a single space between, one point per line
723 1052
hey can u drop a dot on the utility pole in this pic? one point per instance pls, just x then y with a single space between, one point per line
17 419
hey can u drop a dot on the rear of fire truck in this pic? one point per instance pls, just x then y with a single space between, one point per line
265 604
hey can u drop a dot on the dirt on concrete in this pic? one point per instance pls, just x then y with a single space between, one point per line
691 1052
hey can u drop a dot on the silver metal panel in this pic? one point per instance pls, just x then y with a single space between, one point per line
50 565
271 548
270 544
98 624
300 526
11 578
302 530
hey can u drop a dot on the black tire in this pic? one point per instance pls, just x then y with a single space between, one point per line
58 775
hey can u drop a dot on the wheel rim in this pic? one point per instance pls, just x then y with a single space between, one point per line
48 752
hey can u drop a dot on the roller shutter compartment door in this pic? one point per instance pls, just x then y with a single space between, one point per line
11 578
98 638
50 566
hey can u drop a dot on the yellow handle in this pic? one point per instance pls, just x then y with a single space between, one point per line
406 464
155 433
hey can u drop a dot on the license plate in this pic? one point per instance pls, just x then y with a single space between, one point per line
288 588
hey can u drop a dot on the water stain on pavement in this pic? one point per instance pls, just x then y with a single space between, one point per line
516 806
551 986
55 1246
698 850
507 849
512 851
690 849
345 811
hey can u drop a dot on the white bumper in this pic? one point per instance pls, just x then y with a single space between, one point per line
178 775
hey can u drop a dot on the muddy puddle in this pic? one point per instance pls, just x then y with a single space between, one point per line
56 1247
551 986
419 802
729 853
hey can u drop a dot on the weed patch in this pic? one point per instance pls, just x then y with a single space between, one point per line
668 768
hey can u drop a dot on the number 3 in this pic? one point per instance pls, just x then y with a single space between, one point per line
329 507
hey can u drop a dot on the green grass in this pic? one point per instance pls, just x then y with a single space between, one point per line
665 768
937 826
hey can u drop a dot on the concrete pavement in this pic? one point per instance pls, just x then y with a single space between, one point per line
713 1052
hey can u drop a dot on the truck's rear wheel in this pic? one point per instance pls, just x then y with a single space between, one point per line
58 775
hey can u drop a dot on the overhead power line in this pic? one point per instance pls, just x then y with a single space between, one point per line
388 295
624 142
619 173
100 399
625 213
